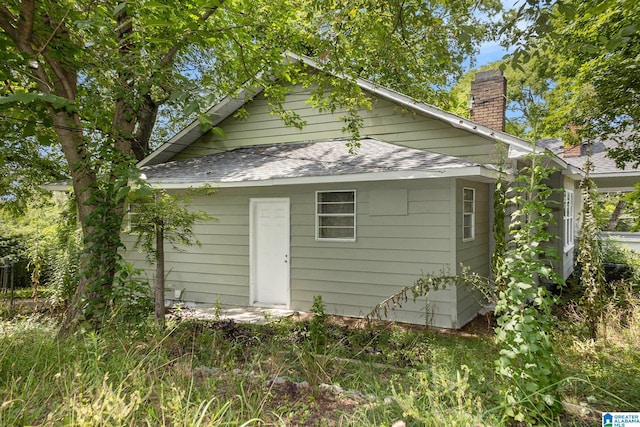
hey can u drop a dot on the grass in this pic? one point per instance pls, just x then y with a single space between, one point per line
201 373
606 372
26 293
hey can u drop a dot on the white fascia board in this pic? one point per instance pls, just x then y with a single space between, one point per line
627 189
64 187
517 152
480 172
218 113
621 174
573 172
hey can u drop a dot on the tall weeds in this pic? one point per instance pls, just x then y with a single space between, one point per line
101 379
222 373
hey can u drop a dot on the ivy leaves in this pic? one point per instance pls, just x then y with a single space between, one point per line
527 364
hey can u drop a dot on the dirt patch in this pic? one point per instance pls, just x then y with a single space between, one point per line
300 407
480 326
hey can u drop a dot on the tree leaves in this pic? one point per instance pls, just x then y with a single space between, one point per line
591 51
105 72
26 98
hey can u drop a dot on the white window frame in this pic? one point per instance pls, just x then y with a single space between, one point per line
471 214
568 219
131 212
319 215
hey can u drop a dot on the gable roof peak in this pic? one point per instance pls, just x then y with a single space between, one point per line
229 105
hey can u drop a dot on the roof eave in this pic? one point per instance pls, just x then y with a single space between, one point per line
188 135
572 171
620 174
477 172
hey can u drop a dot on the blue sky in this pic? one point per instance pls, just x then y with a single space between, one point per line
492 51
489 52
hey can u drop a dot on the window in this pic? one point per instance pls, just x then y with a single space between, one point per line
136 219
568 219
468 214
336 215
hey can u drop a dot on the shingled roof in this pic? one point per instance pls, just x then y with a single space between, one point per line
310 160
602 163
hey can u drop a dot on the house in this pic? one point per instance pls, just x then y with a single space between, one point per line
606 175
299 216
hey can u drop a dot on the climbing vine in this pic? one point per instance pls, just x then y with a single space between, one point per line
527 365
433 282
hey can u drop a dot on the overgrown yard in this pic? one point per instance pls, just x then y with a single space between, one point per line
296 371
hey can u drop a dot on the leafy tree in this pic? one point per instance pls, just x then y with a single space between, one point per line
590 48
45 233
96 75
156 217
27 159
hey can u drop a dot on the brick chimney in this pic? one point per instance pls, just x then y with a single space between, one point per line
489 99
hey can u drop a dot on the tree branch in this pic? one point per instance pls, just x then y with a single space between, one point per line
168 57
7 20
124 116
54 32
25 25
147 115
63 79
22 37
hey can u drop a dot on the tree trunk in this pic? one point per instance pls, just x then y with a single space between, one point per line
159 291
615 216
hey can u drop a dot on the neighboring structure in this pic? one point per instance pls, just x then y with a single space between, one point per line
606 174
299 216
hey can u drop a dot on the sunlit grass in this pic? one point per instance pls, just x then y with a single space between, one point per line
220 373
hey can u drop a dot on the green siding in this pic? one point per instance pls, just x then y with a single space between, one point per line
390 252
385 121
474 254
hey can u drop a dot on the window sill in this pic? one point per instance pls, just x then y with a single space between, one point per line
335 240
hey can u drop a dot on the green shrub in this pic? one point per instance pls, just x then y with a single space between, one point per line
318 324
46 243
617 254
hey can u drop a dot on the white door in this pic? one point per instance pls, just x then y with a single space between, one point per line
269 259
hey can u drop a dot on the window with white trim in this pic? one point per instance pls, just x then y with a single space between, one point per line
568 219
468 214
336 215
135 222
